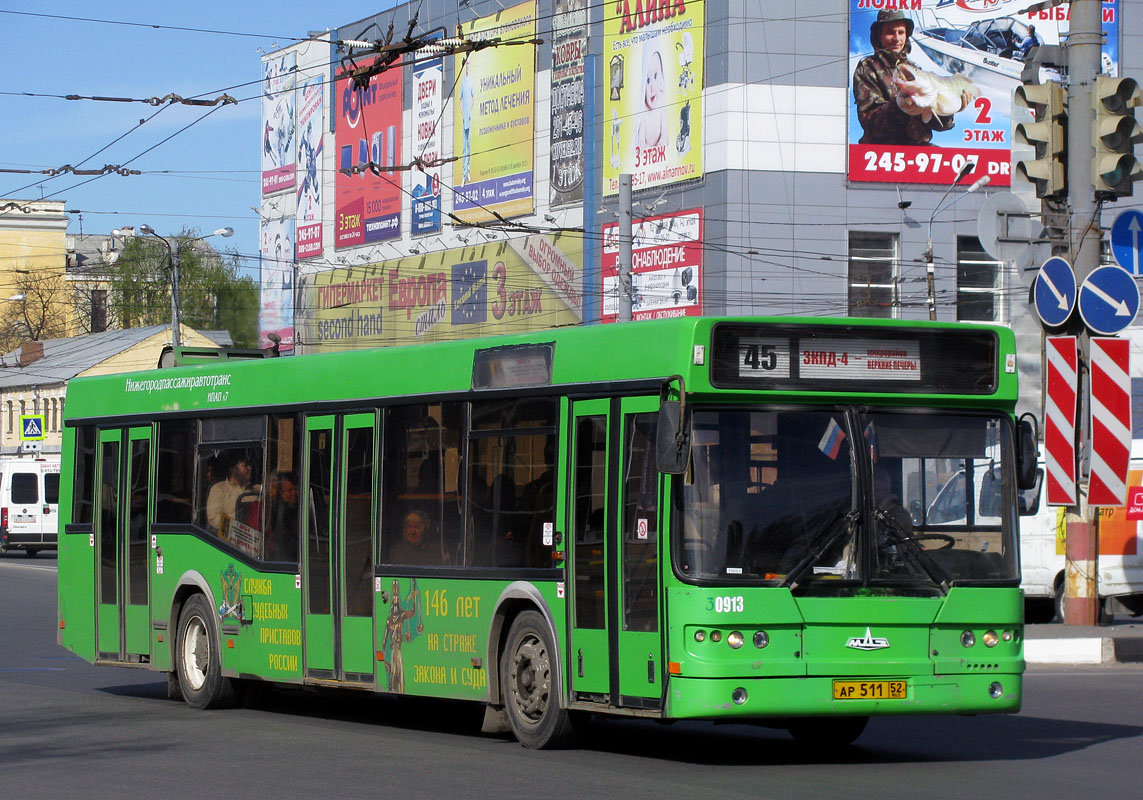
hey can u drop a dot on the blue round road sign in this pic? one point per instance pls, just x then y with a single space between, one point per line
1108 300
1055 292
1127 240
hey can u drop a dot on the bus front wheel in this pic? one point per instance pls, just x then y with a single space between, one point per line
529 676
197 658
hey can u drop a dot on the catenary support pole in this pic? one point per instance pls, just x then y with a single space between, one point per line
1081 600
625 234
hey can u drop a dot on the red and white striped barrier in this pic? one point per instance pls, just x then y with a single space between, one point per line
1060 420
1110 421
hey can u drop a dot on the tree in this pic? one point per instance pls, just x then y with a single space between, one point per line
36 311
212 293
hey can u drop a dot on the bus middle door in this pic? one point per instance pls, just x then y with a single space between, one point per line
615 651
338 568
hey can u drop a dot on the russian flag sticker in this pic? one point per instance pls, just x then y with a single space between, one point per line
832 439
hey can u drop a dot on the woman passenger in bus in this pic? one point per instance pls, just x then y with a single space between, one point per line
282 525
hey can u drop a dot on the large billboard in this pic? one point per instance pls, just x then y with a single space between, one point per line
498 287
310 127
368 131
666 267
278 77
652 93
276 314
569 54
931 84
428 78
494 119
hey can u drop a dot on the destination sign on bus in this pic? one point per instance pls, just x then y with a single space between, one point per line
892 360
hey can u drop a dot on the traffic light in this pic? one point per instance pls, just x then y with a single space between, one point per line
1046 134
1114 134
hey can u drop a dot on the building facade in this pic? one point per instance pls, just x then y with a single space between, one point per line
477 192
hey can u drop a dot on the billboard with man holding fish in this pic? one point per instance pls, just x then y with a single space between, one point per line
931 84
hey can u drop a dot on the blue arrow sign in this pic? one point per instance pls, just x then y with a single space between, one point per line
1127 240
1108 300
1055 292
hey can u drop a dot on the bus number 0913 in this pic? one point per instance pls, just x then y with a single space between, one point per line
725 605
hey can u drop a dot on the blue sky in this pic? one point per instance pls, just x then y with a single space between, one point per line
207 176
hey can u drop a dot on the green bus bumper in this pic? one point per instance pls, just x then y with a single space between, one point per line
718 698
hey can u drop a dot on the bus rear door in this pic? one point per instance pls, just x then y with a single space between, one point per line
122 589
340 511
615 650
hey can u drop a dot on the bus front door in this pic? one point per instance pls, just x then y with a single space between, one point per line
123 592
340 481
615 651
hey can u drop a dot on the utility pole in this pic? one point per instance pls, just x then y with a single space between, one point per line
625 244
1084 44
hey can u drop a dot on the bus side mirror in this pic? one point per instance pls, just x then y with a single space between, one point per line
672 439
1027 452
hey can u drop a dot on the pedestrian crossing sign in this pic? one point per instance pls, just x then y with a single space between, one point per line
31 427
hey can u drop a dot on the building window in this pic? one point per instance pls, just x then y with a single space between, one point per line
11 418
98 310
979 283
872 274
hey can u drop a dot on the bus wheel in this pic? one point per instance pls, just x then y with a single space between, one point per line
31 552
529 677
197 658
827 732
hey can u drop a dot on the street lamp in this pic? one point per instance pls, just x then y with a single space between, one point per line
930 267
173 265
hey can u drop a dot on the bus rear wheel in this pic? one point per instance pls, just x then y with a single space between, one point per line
529 678
197 658
827 732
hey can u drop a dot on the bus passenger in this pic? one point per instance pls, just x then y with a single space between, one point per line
282 531
223 496
417 546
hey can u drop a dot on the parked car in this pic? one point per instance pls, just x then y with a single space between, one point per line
29 504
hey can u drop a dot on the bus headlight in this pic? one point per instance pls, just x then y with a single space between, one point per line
968 638
700 636
738 696
716 636
995 690
761 639
734 639
990 639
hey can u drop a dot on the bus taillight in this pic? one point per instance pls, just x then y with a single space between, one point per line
4 518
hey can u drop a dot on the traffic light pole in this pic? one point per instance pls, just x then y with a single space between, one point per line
1084 44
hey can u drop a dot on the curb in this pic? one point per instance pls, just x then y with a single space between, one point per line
1102 650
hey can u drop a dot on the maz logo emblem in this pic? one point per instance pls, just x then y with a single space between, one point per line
868 642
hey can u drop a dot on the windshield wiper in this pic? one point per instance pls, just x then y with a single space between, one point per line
912 550
834 533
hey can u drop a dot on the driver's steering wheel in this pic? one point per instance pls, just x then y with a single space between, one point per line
949 541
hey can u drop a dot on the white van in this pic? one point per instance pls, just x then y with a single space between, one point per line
29 504
1120 565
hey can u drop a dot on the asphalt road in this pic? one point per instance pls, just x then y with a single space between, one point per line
68 729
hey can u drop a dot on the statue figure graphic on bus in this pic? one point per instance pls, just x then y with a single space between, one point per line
400 628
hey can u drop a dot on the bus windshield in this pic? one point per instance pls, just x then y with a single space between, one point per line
780 497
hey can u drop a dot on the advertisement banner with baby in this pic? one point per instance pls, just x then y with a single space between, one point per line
652 101
931 84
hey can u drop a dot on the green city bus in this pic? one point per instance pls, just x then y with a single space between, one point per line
793 523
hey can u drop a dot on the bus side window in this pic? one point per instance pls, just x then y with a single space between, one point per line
84 489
